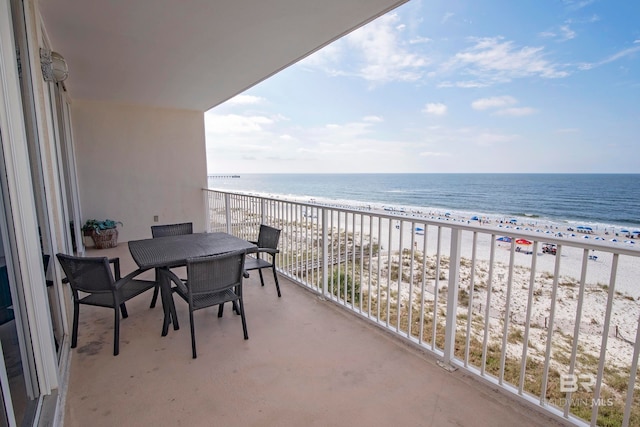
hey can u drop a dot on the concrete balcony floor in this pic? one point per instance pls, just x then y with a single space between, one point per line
306 363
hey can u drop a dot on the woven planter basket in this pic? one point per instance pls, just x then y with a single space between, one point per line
106 239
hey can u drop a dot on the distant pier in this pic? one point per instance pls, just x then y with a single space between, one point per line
224 176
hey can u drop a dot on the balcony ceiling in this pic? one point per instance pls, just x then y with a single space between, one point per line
192 55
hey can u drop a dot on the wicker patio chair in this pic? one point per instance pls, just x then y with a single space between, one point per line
171 229
163 231
104 288
267 243
212 280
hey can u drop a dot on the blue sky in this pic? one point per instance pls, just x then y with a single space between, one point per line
441 86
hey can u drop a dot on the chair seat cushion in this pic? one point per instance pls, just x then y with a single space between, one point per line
251 263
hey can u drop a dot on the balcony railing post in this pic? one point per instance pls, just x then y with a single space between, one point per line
325 254
263 211
452 296
208 205
227 211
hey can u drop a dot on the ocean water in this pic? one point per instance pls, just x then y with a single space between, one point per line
601 200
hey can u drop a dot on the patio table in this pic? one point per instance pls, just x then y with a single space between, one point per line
173 251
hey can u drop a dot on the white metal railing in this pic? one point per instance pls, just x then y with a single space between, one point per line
562 332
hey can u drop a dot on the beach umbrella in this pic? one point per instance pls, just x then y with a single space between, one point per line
523 242
475 218
613 240
636 231
624 230
504 239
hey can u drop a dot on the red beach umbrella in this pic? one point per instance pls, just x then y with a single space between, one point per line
523 242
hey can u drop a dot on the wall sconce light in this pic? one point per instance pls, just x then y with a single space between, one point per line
54 67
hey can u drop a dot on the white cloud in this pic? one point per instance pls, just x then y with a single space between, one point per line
493 60
446 17
385 58
493 102
577 4
325 57
234 123
547 34
618 55
516 112
498 103
375 52
567 33
420 40
437 109
463 84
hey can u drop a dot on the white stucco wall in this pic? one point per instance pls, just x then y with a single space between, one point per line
134 162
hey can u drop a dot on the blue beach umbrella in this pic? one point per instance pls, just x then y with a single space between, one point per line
504 239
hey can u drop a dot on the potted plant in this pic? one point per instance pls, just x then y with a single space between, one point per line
103 232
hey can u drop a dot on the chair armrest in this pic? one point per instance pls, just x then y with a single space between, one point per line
116 267
267 250
122 281
140 271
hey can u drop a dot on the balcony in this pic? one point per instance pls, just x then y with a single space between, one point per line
385 318
307 362
533 309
